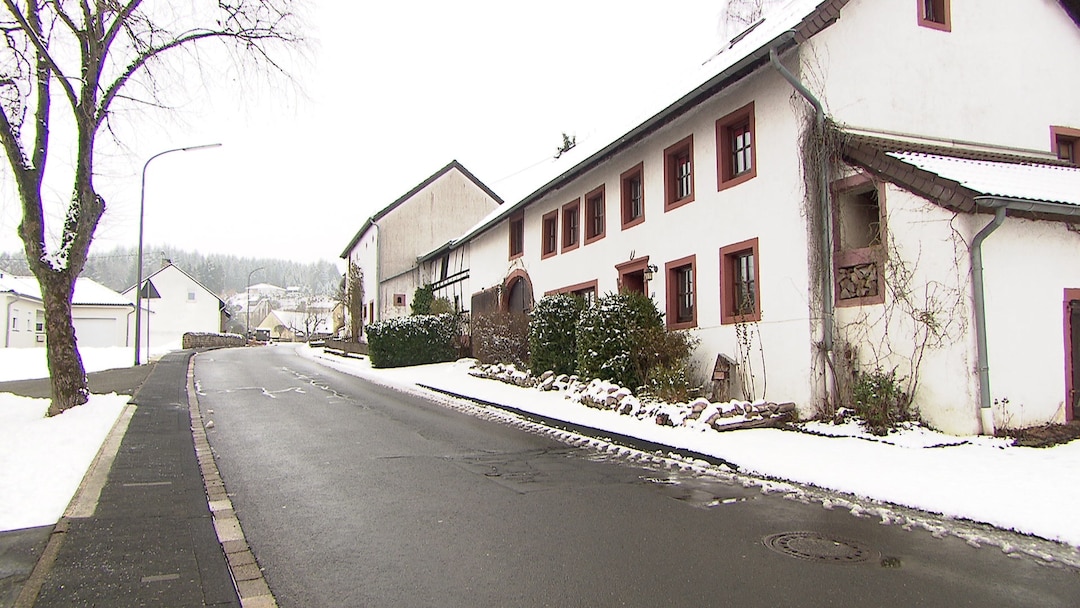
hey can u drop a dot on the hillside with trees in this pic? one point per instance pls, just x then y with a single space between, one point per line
222 274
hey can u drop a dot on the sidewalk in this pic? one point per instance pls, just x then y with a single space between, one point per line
149 538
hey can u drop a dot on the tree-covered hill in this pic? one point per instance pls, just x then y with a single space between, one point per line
222 274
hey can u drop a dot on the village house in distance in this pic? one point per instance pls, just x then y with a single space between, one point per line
848 185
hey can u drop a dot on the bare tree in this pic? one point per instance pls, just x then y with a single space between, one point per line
98 54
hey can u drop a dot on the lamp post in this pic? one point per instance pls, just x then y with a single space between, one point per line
138 271
247 307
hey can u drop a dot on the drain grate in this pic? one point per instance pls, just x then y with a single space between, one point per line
816 547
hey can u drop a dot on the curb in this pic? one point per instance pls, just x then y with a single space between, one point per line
246 575
82 505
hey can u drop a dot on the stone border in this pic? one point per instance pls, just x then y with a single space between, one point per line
246 574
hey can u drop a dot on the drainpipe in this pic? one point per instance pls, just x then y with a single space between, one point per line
7 322
999 204
826 216
378 272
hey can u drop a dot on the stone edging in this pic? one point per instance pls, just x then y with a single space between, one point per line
247 577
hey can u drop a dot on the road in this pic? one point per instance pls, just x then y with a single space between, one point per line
352 494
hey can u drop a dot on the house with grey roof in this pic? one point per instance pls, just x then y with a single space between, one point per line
847 186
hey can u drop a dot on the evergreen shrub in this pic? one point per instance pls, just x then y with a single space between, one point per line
553 334
414 340
610 333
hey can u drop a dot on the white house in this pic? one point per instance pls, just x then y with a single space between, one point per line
174 303
388 245
99 314
848 185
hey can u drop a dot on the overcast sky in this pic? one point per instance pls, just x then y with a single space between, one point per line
389 93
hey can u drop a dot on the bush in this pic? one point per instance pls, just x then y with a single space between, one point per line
442 306
422 300
412 340
610 336
663 360
879 400
501 337
553 334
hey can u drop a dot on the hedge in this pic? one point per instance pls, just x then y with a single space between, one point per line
415 340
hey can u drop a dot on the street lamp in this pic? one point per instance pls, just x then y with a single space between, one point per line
247 307
138 272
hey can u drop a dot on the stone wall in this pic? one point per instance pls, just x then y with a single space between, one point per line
208 340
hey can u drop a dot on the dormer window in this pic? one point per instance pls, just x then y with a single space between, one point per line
1065 143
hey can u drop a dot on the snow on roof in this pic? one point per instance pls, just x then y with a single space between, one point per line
656 102
87 291
1029 181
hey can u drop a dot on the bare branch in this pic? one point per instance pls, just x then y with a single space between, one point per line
34 35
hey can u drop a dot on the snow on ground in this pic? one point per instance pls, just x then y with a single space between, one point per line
982 479
43 460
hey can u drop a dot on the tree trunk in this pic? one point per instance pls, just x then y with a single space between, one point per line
66 371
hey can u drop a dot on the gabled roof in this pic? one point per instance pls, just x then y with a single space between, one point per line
181 271
87 291
953 177
454 164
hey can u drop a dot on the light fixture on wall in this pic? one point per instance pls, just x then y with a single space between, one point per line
650 270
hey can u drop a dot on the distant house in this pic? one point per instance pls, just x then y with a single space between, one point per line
847 186
174 303
99 314
388 245
291 325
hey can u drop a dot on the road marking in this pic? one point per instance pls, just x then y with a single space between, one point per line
157 578
146 484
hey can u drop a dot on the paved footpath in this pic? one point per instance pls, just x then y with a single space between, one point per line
162 531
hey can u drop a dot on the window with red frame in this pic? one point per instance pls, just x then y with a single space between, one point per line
571 226
1065 143
935 14
682 293
679 173
550 234
517 235
740 293
595 215
632 187
736 158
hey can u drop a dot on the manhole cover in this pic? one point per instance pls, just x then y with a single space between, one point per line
816 547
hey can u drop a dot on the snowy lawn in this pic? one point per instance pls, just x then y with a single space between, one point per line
981 479
43 460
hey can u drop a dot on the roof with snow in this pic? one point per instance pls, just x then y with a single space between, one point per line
1030 181
87 291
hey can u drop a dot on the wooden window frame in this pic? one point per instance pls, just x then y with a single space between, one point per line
1058 133
571 231
942 6
550 219
672 154
638 171
725 170
399 300
591 235
672 271
633 266
728 275
516 226
575 288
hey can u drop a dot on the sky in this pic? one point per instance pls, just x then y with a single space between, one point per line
975 478
384 95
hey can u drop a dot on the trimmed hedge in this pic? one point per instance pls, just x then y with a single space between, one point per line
553 334
412 340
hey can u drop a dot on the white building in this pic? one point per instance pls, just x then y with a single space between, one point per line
173 304
388 245
803 256
100 315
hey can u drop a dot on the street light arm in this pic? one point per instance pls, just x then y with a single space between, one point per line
142 213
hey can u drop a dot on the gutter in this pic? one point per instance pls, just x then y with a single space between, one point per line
827 304
1000 204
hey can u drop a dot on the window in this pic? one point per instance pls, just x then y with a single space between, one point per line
191 296
632 187
595 215
740 283
39 325
634 275
399 299
679 174
444 267
571 226
736 158
517 235
859 241
585 291
935 14
681 293
550 236
1065 143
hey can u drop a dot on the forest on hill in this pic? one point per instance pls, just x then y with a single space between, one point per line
222 274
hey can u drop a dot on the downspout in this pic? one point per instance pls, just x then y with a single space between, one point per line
827 306
378 272
7 322
986 413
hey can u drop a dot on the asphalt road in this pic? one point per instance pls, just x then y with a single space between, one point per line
351 494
